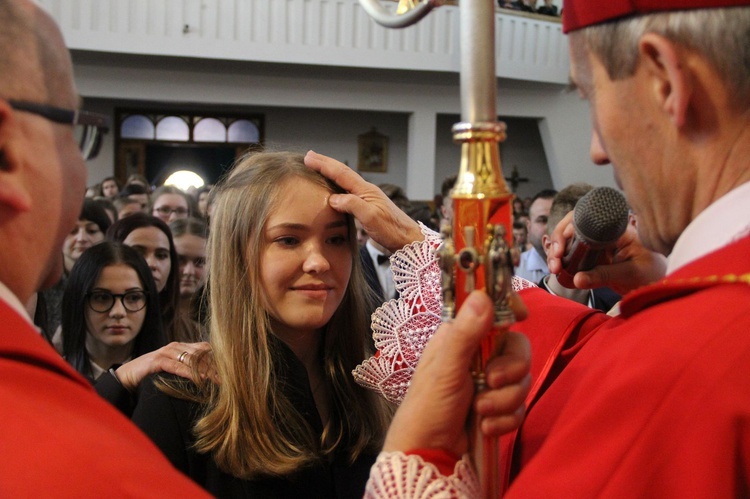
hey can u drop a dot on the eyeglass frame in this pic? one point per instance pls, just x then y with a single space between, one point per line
68 117
114 297
162 210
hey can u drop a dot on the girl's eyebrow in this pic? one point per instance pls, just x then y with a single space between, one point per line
297 226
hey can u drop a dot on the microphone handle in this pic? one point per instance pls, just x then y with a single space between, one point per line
581 256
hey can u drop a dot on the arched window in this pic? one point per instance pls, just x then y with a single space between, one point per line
243 131
210 130
172 128
137 126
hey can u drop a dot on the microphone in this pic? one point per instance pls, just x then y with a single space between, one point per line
599 218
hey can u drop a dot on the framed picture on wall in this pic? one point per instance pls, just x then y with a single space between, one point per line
372 152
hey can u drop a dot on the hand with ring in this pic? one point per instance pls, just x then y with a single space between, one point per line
174 358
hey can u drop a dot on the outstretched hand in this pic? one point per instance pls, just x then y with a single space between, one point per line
383 221
631 266
434 412
174 358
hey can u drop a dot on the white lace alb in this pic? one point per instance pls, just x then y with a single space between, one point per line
401 328
396 475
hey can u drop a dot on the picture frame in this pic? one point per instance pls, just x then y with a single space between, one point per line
372 152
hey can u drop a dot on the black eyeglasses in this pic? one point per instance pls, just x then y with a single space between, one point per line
166 211
89 128
103 301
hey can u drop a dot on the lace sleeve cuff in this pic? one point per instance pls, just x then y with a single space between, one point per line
396 475
401 328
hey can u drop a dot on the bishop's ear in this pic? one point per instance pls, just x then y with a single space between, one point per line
671 80
14 195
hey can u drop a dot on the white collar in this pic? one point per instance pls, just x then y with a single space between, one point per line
724 221
374 252
535 261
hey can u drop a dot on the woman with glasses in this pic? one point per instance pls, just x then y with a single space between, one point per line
110 310
169 203
112 327
152 238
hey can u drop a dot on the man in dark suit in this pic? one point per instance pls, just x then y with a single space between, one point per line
377 268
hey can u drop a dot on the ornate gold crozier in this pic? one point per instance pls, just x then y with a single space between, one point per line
475 253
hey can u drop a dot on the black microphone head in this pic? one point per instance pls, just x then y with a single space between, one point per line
601 216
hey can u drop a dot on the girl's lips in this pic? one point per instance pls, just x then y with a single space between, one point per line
313 287
318 294
318 291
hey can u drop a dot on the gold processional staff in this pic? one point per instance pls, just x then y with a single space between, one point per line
476 250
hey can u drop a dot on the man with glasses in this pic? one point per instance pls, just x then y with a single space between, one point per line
88 127
57 436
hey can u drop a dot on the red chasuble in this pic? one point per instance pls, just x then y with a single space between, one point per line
654 403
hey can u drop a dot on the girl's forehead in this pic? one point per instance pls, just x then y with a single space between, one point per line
116 272
148 233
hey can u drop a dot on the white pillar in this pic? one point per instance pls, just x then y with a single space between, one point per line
420 155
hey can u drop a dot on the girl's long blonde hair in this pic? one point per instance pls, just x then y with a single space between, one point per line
249 426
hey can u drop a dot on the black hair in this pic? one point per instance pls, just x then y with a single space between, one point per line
95 212
108 206
132 189
544 194
82 279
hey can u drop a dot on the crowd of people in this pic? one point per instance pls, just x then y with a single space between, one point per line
548 7
248 391
166 229
166 202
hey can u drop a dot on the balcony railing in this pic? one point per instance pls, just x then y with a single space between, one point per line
321 32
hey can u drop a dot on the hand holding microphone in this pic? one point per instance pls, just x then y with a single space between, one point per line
599 220
633 264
